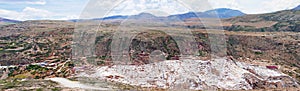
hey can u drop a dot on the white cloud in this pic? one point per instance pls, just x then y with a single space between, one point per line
42 2
234 4
255 6
8 14
275 5
37 2
100 8
68 17
93 10
30 13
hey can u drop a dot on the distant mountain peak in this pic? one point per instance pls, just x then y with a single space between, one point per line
143 15
220 9
115 17
216 13
297 8
225 12
4 20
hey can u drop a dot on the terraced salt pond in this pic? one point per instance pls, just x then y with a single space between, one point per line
75 84
192 75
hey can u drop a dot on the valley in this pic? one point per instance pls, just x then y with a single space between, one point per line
260 52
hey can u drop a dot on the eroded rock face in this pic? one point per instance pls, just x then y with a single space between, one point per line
270 83
262 78
195 75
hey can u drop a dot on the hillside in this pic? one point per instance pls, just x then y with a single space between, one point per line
297 8
4 21
287 20
41 49
225 13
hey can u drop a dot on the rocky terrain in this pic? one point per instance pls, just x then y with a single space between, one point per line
196 75
287 20
44 51
263 53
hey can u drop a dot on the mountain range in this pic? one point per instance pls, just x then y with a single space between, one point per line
7 21
216 13
223 13
297 8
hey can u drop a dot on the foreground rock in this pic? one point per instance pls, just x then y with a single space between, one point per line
195 74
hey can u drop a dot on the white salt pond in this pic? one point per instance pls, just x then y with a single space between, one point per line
74 84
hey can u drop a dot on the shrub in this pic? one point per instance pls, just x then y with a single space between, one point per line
21 76
258 53
39 89
36 67
55 89
33 67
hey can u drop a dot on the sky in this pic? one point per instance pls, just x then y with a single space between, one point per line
75 9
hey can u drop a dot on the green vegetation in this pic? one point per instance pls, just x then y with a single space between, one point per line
56 89
7 84
39 89
36 67
100 62
21 76
70 64
201 53
242 28
258 53
41 85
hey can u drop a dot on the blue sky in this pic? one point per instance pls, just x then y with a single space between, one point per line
41 9
72 9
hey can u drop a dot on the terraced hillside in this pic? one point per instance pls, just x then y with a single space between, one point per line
42 49
287 20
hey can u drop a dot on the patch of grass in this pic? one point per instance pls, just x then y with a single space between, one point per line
39 89
295 65
100 62
10 84
70 64
35 67
56 89
297 70
21 76
258 53
201 53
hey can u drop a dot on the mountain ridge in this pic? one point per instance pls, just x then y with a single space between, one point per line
285 20
215 13
225 12
296 8
5 20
